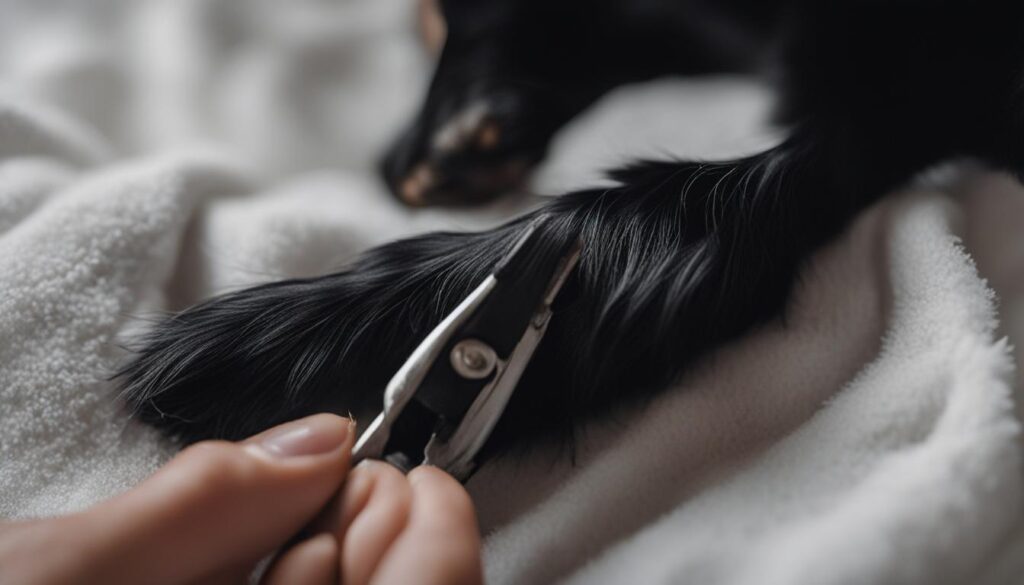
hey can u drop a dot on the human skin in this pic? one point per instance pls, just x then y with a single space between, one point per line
216 509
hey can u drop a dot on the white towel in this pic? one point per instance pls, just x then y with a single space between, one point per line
154 152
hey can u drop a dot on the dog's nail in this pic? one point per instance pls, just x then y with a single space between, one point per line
411 191
415 186
425 175
488 136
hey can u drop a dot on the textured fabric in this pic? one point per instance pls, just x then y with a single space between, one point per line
154 152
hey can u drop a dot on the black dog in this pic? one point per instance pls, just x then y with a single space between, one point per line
679 258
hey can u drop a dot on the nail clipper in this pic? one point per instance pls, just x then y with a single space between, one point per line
444 401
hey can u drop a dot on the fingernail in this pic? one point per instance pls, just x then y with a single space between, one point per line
314 435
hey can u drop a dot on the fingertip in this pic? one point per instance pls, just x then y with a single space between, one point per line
310 562
446 494
432 475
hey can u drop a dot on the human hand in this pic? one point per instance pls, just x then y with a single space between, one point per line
216 509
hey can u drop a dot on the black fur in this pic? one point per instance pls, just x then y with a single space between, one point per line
678 259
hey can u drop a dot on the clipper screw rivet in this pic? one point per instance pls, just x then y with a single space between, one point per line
473 359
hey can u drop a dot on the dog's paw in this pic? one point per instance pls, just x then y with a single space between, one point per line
466 151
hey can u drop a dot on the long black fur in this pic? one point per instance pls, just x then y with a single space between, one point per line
678 259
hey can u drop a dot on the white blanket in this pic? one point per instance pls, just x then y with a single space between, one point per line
155 152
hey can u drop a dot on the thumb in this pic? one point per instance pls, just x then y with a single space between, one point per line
216 506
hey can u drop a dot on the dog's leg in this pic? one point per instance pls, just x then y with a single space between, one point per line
679 259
